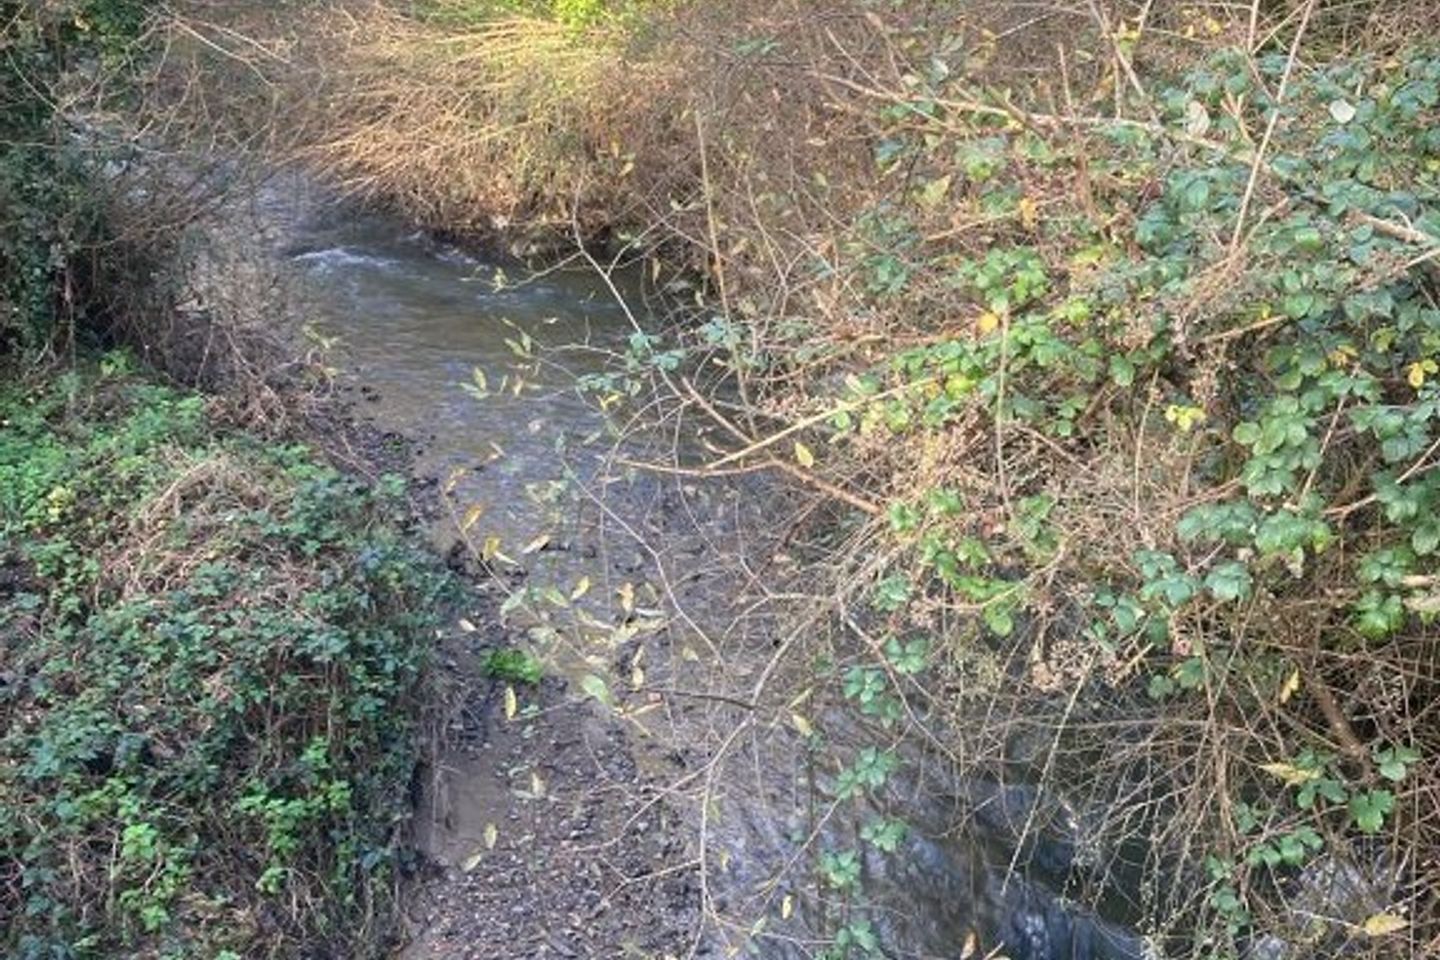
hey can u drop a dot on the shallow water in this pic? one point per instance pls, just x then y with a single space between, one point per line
526 466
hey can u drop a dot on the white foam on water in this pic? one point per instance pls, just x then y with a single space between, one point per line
339 257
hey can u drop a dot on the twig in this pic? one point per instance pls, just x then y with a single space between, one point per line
811 421
1258 163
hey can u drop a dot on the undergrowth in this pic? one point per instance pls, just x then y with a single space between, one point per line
1113 329
211 650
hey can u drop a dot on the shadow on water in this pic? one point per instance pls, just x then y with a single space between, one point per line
416 319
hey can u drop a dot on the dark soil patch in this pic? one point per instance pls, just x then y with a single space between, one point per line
543 836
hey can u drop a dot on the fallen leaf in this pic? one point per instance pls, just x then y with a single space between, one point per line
626 593
1292 775
801 724
537 785
537 544
803 455
1197 119
1029 212
471 862
472 517
490 548
466 625
1383 923
787 907
1342 111
1290 687
511 703
492 833
581 588
933 193
596 687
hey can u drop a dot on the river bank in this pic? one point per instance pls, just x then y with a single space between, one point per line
214 652
984 505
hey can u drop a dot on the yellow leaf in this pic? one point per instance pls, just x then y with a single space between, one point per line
490 548
803 455
1184 417
971 945
581 588
933 193
1383 923
1416 375
1029 212
537 544
802 725
787 907
1291 685
472 861
626 593
511 703
472 517
492 833
1292 775
988 321
637 678
537 786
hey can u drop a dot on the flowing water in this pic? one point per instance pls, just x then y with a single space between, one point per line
529 466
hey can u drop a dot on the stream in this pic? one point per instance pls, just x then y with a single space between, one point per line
628 585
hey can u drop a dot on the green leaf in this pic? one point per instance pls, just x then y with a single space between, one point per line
1426 538
884 834
998 618
1122 371
1370 809
597 688
1160 687
1229 582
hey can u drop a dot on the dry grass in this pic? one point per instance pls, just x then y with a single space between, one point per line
512 123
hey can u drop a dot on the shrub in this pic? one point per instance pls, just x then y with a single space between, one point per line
51 213
212 651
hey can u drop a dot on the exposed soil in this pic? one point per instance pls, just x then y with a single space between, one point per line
543 836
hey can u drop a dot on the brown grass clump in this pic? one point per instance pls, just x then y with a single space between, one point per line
508 122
